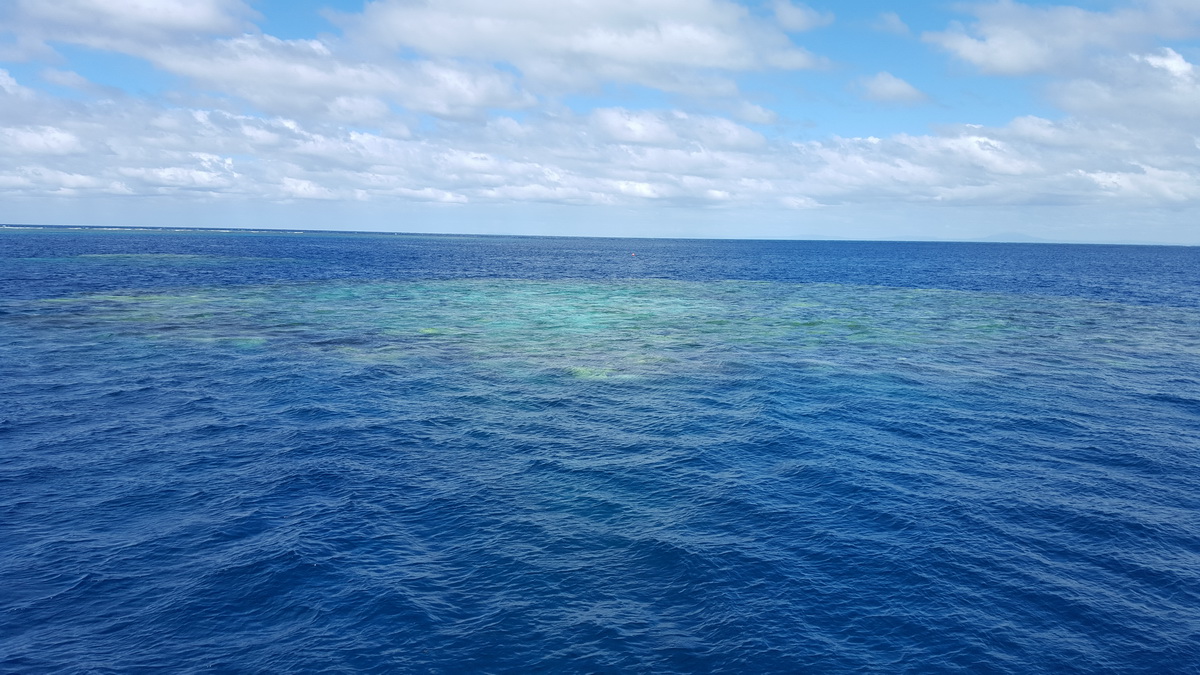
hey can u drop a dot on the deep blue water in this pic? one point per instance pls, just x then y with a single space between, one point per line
257 452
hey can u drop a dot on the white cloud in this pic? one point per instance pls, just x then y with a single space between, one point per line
613 156
1148 184
971 151
624 126
610 157
178 177
308 78
754 114
798 17
665 44
206 16
123 24
12 88
358 109
72 80
673 129
1171 61
1158 93
800 202
887 88
305 77
304 189
42 140
890 22
1012 38
1127 136
65 78
471 56
724 134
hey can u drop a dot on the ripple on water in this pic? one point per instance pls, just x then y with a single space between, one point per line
653 475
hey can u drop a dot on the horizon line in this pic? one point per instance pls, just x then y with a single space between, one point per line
991 239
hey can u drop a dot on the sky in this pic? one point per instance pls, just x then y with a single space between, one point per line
858 119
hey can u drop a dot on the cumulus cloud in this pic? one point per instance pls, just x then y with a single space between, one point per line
1011 38
65 78
42 140
1171 61
337 118
887 88
754 113
459 58
126 24
673 129
797 17
559 46
633 127
610 156
12 88
297 77
890 22
1148 184
1157 92
73 80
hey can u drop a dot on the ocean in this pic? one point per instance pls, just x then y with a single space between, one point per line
264 452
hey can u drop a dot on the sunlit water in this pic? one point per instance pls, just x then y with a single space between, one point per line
273 453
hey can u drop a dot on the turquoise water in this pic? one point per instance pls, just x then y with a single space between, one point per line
275 453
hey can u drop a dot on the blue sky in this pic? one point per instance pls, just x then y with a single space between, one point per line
705 118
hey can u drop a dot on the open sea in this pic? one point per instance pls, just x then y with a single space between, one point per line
256 452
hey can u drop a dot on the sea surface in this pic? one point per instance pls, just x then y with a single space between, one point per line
261 452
